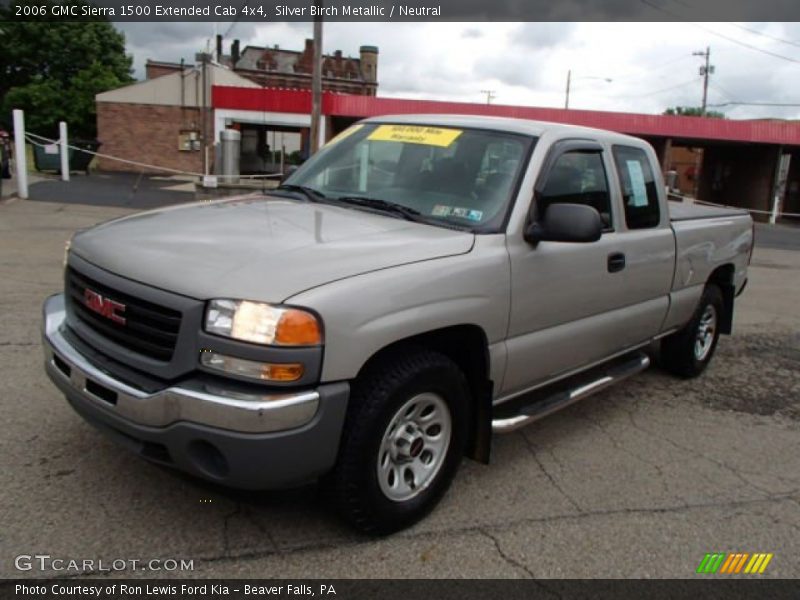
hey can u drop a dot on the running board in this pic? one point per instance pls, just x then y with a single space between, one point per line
544 403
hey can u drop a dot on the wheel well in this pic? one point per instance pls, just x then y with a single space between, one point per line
468 347
723 277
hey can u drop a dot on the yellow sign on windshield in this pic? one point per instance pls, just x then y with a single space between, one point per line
344 134
415 134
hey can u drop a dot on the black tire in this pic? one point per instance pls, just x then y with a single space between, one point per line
377 396
678 351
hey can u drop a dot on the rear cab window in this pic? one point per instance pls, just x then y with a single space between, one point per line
638 185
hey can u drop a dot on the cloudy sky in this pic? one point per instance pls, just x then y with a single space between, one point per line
650 64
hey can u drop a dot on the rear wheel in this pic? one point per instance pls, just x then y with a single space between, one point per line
687 352
403 441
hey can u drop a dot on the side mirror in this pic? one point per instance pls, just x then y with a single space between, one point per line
566 223
288 172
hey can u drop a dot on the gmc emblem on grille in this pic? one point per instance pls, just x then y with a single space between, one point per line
110 309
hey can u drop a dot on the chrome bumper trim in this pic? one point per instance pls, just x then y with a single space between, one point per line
235 412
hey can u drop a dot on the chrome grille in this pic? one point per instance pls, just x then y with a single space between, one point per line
149 329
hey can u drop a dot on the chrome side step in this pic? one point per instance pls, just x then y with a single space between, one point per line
577 389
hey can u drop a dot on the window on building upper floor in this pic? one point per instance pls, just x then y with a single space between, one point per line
638 185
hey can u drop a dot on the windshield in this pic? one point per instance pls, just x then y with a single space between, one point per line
450 176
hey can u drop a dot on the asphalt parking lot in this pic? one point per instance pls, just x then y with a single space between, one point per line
639 481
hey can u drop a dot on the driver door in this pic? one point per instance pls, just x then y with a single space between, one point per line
568 299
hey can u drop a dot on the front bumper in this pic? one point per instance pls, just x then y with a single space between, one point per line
242 440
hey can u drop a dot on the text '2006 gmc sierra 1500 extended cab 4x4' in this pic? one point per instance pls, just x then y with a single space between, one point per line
420 283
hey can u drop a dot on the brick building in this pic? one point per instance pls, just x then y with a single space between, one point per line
291 69
160 121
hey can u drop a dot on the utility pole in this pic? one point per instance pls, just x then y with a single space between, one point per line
204 58
490 95
569 79
316 81
706 71
569 84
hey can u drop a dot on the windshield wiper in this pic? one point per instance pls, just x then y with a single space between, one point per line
407 213
309 192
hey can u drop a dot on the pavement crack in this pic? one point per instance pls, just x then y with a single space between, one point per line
533 452
736 472
248 514
622 447
339 544
508 559
225 525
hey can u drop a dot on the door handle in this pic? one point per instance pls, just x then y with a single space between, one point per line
616 262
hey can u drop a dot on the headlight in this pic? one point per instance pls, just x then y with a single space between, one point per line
262 323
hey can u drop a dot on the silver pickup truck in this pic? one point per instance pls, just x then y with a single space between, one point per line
420 283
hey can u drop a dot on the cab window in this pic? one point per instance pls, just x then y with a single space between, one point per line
638 185
578 177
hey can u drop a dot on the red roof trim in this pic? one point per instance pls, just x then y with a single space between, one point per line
347 105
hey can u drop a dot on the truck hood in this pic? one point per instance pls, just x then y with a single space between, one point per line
259 247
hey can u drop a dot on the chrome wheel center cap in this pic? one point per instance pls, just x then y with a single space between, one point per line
414 447
408 443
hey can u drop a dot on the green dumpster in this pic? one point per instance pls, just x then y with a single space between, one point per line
47 157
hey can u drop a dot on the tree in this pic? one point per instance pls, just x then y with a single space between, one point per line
693 111
52 70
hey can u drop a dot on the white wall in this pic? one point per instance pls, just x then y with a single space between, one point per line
166 90
221 115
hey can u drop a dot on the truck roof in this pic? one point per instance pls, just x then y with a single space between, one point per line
511 125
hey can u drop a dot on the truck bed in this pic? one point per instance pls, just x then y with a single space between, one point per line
681 211
707 238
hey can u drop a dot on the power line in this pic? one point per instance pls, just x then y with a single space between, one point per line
720 35
766 35
721 89
743 28
667 89
737 103
651 69
236 19
746 45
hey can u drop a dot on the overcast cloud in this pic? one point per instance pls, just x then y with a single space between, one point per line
650 64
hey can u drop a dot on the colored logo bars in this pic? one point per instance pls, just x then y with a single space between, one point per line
731 563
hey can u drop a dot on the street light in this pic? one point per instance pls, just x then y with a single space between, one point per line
569 82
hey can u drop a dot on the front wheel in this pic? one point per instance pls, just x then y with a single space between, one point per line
403 440
687 352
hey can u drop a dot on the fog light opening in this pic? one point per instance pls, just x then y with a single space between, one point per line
207 458
62 366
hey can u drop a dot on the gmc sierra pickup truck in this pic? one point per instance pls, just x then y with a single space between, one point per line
421 283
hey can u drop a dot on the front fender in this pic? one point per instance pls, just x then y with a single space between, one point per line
366 313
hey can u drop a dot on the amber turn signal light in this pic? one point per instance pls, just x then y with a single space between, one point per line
297 328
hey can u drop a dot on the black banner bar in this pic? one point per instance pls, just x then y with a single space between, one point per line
705 587
265 11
